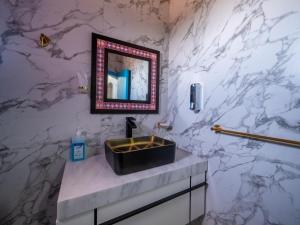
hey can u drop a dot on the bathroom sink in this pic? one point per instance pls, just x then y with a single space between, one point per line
130 155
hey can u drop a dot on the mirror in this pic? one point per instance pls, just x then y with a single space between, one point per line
125 77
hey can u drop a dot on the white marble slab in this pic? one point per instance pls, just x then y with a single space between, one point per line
246 54
40 103
92 183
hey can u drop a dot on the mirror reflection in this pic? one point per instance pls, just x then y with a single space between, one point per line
127 78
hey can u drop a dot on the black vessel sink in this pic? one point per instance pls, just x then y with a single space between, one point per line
135 154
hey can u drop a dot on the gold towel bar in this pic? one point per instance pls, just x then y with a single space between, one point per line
219 129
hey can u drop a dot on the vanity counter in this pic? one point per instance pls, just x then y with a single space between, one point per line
92 183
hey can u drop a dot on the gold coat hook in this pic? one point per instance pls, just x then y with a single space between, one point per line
218 129
83 89
44 40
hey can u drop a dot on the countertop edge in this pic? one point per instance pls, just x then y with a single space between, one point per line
99 199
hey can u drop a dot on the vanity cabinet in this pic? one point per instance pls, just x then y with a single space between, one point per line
197 197
177 203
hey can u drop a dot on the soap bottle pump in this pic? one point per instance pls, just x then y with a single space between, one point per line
78 147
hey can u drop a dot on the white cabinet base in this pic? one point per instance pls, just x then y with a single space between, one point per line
173 204
197 197
173 212
81 219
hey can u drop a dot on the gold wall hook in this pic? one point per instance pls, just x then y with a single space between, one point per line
218 129
44 40
83 89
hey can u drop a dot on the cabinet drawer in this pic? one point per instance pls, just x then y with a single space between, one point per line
173 212
197 197
114 210
197 203
84 218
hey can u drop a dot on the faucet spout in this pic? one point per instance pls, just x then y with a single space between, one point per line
130 124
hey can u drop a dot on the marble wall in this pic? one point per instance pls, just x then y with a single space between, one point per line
40 104
246 53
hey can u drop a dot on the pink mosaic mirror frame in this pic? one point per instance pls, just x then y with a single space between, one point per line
101 105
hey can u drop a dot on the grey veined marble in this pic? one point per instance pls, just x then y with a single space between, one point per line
40 105
246 54
92 183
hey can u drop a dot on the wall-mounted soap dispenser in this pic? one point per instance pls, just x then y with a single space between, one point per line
196 97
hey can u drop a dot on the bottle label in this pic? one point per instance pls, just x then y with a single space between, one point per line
78 151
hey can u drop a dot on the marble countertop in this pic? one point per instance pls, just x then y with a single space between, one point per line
92 183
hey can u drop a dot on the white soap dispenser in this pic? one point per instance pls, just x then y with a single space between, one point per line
196 97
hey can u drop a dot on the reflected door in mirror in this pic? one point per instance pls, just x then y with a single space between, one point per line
127 77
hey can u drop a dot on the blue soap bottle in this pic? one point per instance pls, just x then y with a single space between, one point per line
78 147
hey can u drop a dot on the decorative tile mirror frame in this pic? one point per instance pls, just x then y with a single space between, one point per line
101 101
